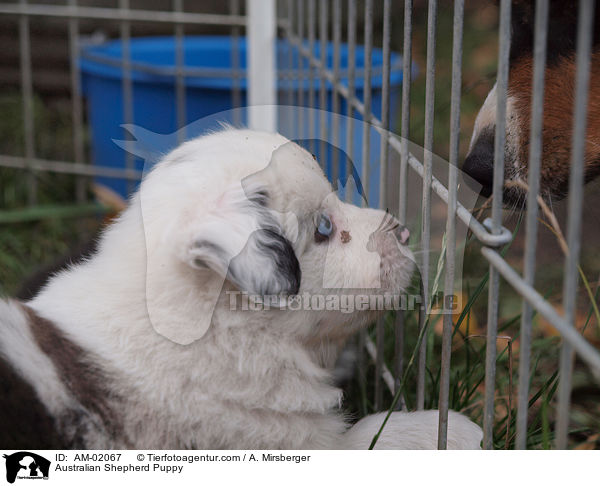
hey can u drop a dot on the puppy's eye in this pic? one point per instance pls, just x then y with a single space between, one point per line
324 228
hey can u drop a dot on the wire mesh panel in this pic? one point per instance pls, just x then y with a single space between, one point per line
344 86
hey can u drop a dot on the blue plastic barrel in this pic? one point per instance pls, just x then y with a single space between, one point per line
154 97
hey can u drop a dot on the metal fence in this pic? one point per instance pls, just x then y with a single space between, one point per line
306 24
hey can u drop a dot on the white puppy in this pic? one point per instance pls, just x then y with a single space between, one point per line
151 344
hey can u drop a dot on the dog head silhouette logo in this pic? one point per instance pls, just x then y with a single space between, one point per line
26 464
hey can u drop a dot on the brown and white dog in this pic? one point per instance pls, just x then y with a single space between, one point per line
559 95
141 346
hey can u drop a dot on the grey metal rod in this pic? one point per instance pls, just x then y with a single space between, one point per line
236 91
366 134
323 129
101 13
335 96
289 82
311 73
365 176
533 181
351 89
76 104
179 76
399 356
383 160
379 364
386 375
575 207
127 84
457 39
385 102
494 282
405 129
426 199
27 93
62 167
403 177
300 114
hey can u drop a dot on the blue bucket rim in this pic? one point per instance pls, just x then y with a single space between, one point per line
98 60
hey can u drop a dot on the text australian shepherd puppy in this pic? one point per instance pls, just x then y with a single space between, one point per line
146 344
559 97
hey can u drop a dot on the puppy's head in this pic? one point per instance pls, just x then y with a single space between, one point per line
252 212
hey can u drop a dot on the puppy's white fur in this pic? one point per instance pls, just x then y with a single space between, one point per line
236 379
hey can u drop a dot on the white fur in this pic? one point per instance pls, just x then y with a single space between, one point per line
191 372
419 430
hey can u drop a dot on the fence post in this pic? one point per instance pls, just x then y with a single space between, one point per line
262 81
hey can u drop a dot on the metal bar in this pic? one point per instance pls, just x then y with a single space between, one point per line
386 375
312 15
383 165
366 135
385 102
300 114
27 92
494 281
179 76
533 181
101 13
399 356
42 165
366 160
323 129
362 364
457 38
379 364
236 91
351 92
290 54
335 97
426 205
261 62
584 349
76 105
405 129
575 207
403 176
127 86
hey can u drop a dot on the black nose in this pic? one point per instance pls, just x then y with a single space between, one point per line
479 164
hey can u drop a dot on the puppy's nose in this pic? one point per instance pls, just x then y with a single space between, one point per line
479 164
402 234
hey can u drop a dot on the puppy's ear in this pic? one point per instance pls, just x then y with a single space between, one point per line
244 243
236 237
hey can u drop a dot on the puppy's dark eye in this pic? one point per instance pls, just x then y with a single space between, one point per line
324 228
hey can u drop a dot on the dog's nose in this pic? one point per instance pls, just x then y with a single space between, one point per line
479 164
402 234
